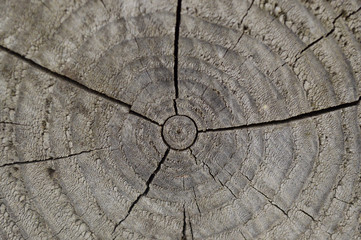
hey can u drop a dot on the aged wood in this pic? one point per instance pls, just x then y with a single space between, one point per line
187 119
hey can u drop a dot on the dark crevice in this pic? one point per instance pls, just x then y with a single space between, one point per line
190 228
298 55
240 24
219 181
46 6
243 235
102 2
145 192
143 117
175 106
319 39
14 123
307 214
270 201
74 83
184 236
50 159
349 203
224 185
176 51
288 120
313 43
214 178
195 199
352 13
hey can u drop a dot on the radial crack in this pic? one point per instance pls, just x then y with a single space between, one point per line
51 158
75 83
240 24
287 120
307 214
145 192
184 237
214 177
352 13
102 2
217 180
190 228
176 52
13 123
195 198
318 39
270 201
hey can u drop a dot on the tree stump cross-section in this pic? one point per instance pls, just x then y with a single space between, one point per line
180 119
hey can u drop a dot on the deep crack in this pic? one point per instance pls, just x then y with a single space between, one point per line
145 192
307 214
184 237
51 158
75 83
287 120
176 52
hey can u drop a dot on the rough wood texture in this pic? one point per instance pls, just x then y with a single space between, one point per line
188 119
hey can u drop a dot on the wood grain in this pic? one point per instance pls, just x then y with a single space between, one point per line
187 119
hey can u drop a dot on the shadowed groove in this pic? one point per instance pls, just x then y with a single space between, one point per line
75 83
51 158
176 52
288 120
145 192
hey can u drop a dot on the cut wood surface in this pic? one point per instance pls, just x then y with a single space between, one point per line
181 119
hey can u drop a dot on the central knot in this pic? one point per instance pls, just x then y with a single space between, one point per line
179 132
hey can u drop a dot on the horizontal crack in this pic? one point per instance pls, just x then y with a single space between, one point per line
285 121
14 123
51 158
75 83
145 192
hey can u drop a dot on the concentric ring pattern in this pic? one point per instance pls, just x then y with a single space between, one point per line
272 89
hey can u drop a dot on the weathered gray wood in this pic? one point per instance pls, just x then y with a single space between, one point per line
188 119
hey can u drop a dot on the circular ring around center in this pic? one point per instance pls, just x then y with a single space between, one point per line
179 132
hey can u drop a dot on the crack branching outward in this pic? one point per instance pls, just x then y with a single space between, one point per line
326 35
240 24
213 177
145 192
51 158
176 52
287 120
75 83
